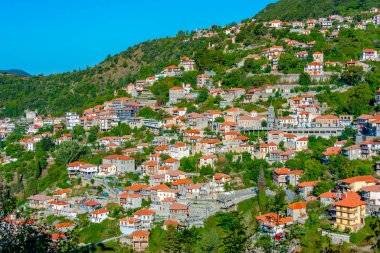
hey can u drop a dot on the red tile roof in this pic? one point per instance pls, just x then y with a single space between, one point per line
297 205
144 211
306 184
136 187
350 202
328 195
99 211
178 206
367 179
140 233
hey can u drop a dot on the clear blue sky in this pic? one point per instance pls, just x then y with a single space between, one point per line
54 36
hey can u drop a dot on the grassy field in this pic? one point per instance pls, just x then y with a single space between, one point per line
96 232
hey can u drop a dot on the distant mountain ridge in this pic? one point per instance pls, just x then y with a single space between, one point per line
287 10
17 72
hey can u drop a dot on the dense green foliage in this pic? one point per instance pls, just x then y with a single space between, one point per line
287 10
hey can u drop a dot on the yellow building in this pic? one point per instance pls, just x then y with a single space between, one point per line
355 183
350 212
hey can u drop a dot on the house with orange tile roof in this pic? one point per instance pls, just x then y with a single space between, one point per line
230 137
218 182
355 183
129 225
173 163
275 136
232 114
179 150
137 189
350 212
327 198
187 134
305 188
169 223
207 160
57 236
39 201
62 193
160 177
314 69
99 215
172 71
286 122
140 240
124 164
253 122
227 126
146 216
371 195
297 211
174 175
370 55
106 170
154 192
272 52
204 80
369 148
283 176
318 57
237 92
273 223
58 205
187 64
207 146
176 94
302 144
280 156
162 207
166 193
196 191
331 151
91 205
64 226
150 167
352 152
326 121
181 185
28 144
178 211
130 201
81 168
266 148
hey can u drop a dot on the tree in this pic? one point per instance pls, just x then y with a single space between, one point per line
265 242
235 238
46 144
305 79
30 239
322 186
210 242
78 131
7 202
352 75
68 152
203 95
147 112
288 63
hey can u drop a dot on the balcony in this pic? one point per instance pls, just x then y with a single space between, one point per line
337 216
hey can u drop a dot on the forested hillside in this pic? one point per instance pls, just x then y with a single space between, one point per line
287 10
56 94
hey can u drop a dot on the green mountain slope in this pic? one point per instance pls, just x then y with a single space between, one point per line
17 72
287 10
75 91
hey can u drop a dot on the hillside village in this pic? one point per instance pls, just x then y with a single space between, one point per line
147 160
